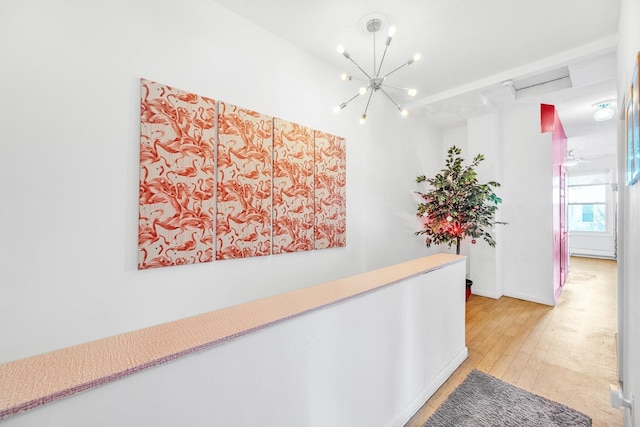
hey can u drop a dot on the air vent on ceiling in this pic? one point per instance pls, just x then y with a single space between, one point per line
539 84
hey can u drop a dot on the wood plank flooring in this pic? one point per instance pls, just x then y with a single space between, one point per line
565 353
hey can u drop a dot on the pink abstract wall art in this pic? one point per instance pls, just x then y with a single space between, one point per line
245 143
176 177
293 195
330 191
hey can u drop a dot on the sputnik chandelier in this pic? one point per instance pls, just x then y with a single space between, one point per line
376 80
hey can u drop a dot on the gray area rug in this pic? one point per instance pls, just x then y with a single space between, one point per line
483 400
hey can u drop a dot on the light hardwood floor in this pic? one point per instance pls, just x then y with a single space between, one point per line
565 353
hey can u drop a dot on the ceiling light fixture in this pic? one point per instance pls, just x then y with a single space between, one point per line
376 80
604 111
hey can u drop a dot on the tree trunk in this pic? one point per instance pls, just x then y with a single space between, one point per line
457 246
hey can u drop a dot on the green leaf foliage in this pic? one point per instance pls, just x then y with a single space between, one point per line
456 205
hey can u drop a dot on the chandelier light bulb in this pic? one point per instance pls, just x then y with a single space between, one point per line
412 92
337 108
416 57
362 90
363 118
343 52
345 77
392 31
404 113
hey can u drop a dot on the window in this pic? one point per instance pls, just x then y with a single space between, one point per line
587 213
587 199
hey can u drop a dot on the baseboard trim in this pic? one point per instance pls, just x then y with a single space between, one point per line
525 297
431 388
593 254
481 293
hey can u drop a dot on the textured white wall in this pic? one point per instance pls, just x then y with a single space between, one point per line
69 158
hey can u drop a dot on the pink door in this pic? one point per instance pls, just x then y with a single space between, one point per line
564 232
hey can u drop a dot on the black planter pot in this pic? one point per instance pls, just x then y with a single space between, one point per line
468 284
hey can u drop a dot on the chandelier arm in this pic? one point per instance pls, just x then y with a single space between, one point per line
359 67
373 34
351 99
381 61
395 88
359 79
391 72
391 99
368 101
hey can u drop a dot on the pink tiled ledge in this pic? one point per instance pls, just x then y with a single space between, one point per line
37 380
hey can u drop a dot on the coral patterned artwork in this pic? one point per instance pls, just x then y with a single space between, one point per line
330 191
176 177
293 197
243 221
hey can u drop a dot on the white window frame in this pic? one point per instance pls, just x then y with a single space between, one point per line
609 208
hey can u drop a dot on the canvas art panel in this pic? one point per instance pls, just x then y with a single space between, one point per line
243 221
330 191
175 223
293 196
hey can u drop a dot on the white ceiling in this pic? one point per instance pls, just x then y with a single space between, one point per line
469 49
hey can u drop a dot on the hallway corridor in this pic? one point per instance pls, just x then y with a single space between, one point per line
565 353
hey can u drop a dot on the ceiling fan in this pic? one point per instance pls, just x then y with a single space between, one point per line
573 160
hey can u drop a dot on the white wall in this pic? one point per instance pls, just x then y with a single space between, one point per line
629 222
527 240
457 136
519 157
70 151
485 137
394 160
372 361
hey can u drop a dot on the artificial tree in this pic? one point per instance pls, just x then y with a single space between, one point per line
457 205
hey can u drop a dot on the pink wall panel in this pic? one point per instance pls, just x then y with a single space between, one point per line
550 122
245 142
293 193
176 177
330 191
